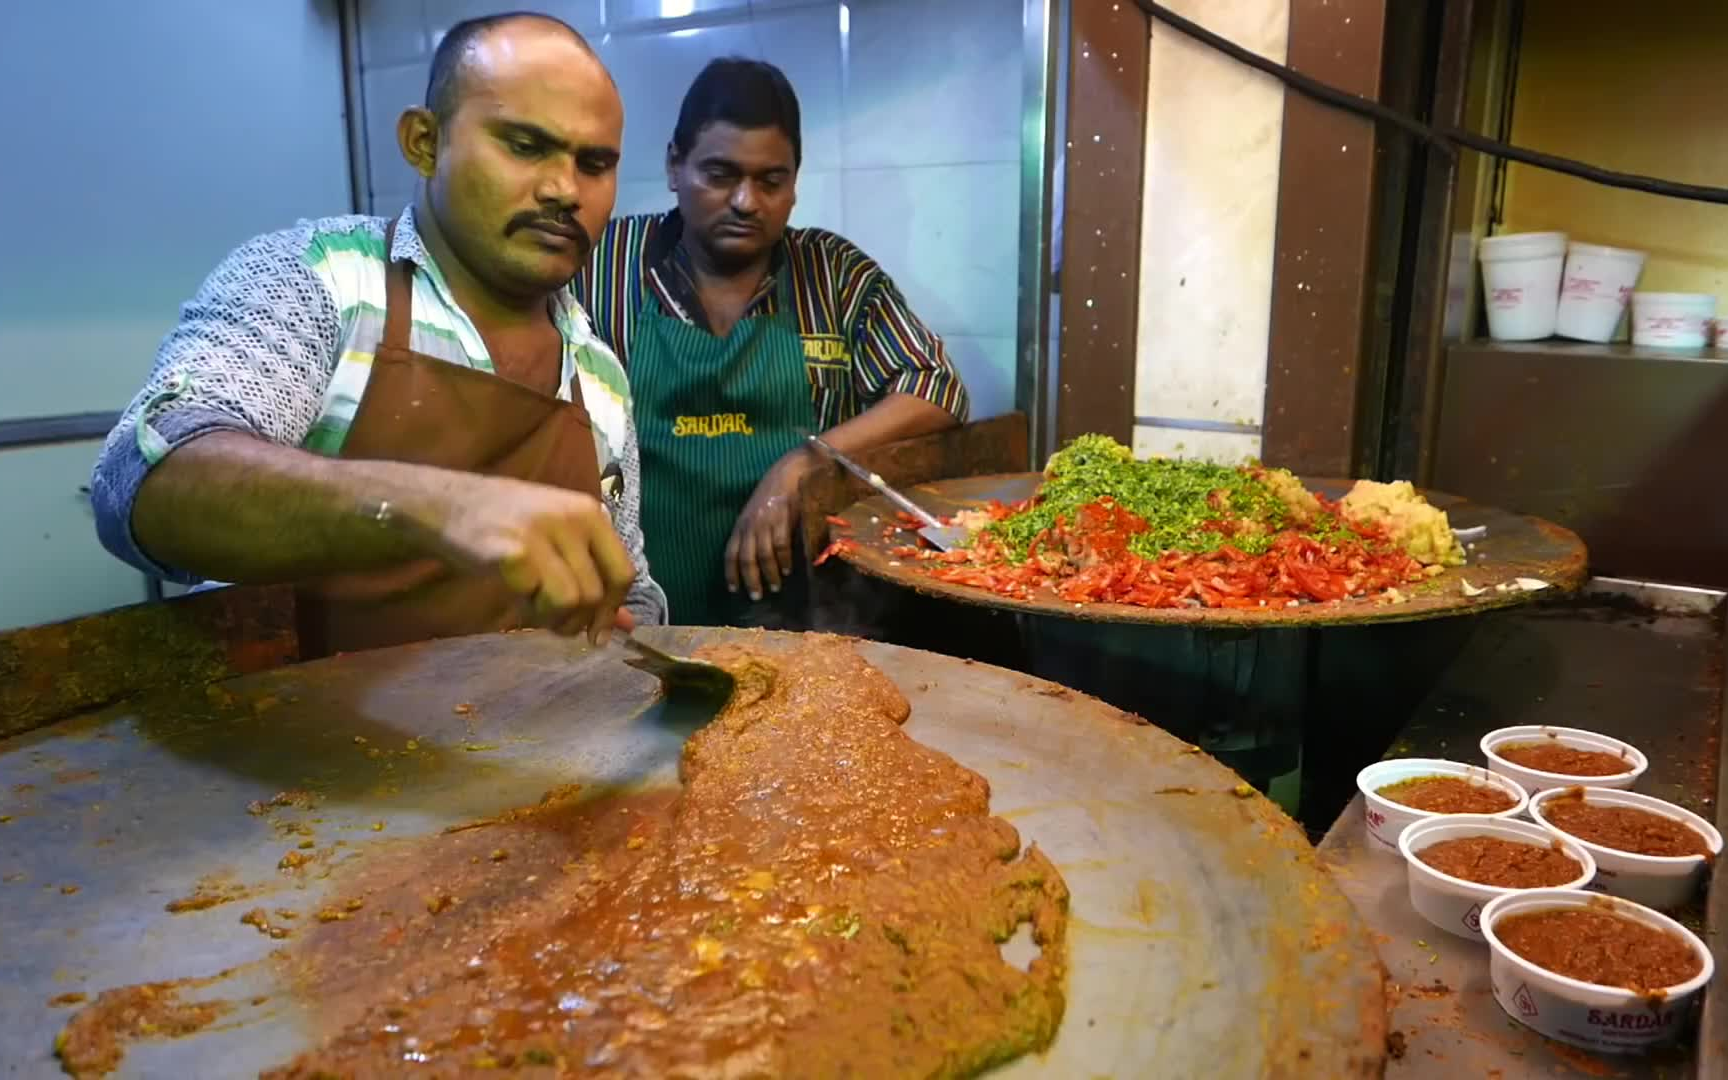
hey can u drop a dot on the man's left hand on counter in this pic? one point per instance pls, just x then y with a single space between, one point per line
759 552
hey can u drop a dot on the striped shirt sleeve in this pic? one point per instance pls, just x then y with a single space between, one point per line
893 352
604 287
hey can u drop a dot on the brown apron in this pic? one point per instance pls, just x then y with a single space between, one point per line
423 410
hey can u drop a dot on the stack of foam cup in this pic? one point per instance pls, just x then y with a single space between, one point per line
1594 290
1521 277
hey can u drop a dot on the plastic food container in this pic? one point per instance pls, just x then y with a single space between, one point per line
1387 819
1605 1019
1535 780
1661 881
1521 280
1594 290
1672 320
1454 904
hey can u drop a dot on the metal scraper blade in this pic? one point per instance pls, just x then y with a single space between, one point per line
680 674
939 536
944 537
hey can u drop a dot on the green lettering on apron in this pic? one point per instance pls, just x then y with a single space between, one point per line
713 415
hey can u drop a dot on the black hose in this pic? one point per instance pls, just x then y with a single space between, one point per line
1447 139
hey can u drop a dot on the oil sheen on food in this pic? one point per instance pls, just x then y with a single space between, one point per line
824 896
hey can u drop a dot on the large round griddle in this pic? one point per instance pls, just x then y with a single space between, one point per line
1206 939
1516 546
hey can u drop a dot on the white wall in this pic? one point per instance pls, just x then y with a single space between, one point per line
911 115
144 140
1214 130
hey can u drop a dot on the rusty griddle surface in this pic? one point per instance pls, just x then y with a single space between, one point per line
1206 939
1516 546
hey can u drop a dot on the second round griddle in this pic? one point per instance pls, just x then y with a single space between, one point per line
1206 940
1516 546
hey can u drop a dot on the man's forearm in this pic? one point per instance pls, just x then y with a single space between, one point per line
895 417
236 508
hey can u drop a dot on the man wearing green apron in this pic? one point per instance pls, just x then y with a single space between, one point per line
741 335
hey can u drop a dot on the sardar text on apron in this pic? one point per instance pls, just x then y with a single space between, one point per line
713 415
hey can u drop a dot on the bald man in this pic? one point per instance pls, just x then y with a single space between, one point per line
409 418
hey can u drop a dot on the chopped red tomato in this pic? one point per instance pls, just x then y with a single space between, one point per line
1090 560
839 522
836 548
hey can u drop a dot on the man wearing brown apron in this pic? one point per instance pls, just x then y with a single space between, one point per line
410 418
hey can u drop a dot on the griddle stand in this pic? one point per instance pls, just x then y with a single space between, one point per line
1266 690
1263 701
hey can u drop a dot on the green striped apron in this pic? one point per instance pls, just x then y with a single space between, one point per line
713 415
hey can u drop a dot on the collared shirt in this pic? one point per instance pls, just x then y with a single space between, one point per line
278 342
861 340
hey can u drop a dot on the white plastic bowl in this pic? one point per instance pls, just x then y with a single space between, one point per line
1605 1019
1660 881
1455 904
1672 320
1387 819
1535 780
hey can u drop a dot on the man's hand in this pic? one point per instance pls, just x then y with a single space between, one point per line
554 546
233 507
759 552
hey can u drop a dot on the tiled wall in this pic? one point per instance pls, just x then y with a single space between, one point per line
1213 133
232 126
911 130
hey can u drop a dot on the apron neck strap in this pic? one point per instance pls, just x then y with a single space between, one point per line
398 293
785 305
785 301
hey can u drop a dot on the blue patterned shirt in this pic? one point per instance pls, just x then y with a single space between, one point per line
278 342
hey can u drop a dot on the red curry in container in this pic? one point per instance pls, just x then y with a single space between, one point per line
1447 795
1623 828
1600 947
1502 863
1553 756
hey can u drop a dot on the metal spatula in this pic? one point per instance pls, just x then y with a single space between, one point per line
676 673
679 673
941 537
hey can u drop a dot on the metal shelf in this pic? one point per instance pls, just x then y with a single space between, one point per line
1616 442
1584 350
